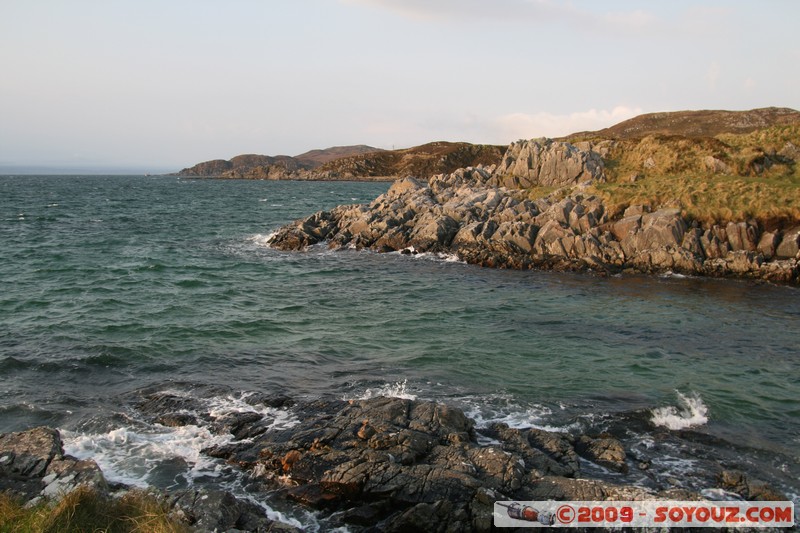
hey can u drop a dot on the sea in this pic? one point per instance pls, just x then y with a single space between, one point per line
118 284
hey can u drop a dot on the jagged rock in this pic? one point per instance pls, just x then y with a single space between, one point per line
603 450
561 489
768 244
33 465
626 227
215 510
465 213
737 482
742 236
790 244
547 163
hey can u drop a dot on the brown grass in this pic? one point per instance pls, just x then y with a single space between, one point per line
711 199
83 510
752 179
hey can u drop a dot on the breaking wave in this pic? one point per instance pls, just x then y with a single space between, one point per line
690 412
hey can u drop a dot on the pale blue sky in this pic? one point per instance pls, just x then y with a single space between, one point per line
165 84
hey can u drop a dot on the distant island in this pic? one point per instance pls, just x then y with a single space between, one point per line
712 193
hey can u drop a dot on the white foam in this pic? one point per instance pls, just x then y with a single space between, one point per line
412 252
720 495
133 454
398 389
674 275
500 408
690 412
130 456
222 405
262 240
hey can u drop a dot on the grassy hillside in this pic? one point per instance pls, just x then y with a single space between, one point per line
730 177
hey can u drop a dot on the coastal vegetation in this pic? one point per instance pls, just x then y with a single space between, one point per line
714 180
84 509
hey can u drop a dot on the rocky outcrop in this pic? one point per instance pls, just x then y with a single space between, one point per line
464 214
382 464
33 466
547 163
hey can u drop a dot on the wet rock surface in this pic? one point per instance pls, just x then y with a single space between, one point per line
383 464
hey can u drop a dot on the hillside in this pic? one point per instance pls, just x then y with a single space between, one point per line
746 170
420 161
315 158
693 124
255 166
359 162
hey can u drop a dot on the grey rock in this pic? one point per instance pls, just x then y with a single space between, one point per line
216 510
547 163
603 450
789 245
742 236
768 244
467 214
33 465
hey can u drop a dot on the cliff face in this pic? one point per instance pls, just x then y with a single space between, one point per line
547 163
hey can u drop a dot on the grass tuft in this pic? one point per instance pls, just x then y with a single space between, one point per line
83 510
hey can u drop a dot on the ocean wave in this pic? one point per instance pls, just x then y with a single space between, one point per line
220 406
398 389
140 453
154 455
412 252
690 412
260 239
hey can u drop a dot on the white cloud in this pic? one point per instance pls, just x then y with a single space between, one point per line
527 126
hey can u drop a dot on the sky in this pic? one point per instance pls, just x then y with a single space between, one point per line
165 84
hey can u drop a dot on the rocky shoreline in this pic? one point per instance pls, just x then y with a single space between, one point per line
381 464
483 216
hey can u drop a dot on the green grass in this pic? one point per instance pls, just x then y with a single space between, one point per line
84 511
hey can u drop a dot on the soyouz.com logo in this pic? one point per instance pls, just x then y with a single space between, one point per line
647 513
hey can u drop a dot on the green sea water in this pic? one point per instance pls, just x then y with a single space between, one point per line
114 283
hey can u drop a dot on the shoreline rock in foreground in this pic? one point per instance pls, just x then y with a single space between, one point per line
383 464
472 214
